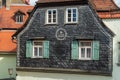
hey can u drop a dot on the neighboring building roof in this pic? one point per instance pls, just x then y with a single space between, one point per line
49 1
104 5
106 8
7 16
8 25
6 44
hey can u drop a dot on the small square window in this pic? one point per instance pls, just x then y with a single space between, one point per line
71 15
19 18
51 16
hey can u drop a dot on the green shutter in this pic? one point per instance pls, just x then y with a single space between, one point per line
46 49
29 49
75 51
95 50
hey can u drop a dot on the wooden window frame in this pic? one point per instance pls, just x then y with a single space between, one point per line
47 16
19 18
86 47
72 21
37 46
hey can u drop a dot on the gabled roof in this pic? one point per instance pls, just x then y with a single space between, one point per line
7 16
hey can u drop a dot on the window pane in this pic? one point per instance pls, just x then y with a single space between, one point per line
69 19
74 15
35 51
49 20
54 11
74 11
49 16
54 16
54 20
74 19
40 51
69 15
82 52
49 12
88 52
69 11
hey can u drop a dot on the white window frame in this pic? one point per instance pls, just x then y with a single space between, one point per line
47 16
66 19
38 46
18 17
80 54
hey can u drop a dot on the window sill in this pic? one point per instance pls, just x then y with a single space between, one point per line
72 23
51 24
19 22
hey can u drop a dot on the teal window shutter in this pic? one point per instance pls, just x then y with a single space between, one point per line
46 49
95 50
75 50
29 49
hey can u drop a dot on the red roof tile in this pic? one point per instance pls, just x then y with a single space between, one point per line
6 16
103 5
6 44
49 1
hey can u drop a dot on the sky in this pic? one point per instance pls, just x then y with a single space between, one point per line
117 2
32 2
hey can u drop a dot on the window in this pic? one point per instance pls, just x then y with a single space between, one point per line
37 49
71 15
85 50
19 18
52 16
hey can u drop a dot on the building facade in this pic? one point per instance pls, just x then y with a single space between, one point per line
12 17
64 38
110 14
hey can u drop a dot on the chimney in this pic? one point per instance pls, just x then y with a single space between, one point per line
8 2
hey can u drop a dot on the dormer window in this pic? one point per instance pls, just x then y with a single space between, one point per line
71 15
19 17
51 16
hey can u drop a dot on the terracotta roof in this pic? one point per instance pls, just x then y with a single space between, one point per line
104 5
7 16
7 22
6 44
49 1
106 8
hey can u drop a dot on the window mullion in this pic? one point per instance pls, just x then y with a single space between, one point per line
71 15
52 16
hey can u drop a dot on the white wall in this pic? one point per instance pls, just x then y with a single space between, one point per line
7 61
114 25
57 76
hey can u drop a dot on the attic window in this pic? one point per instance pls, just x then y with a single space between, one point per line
71 15
19 17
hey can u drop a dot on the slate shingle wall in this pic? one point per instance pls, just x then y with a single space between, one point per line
60 51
